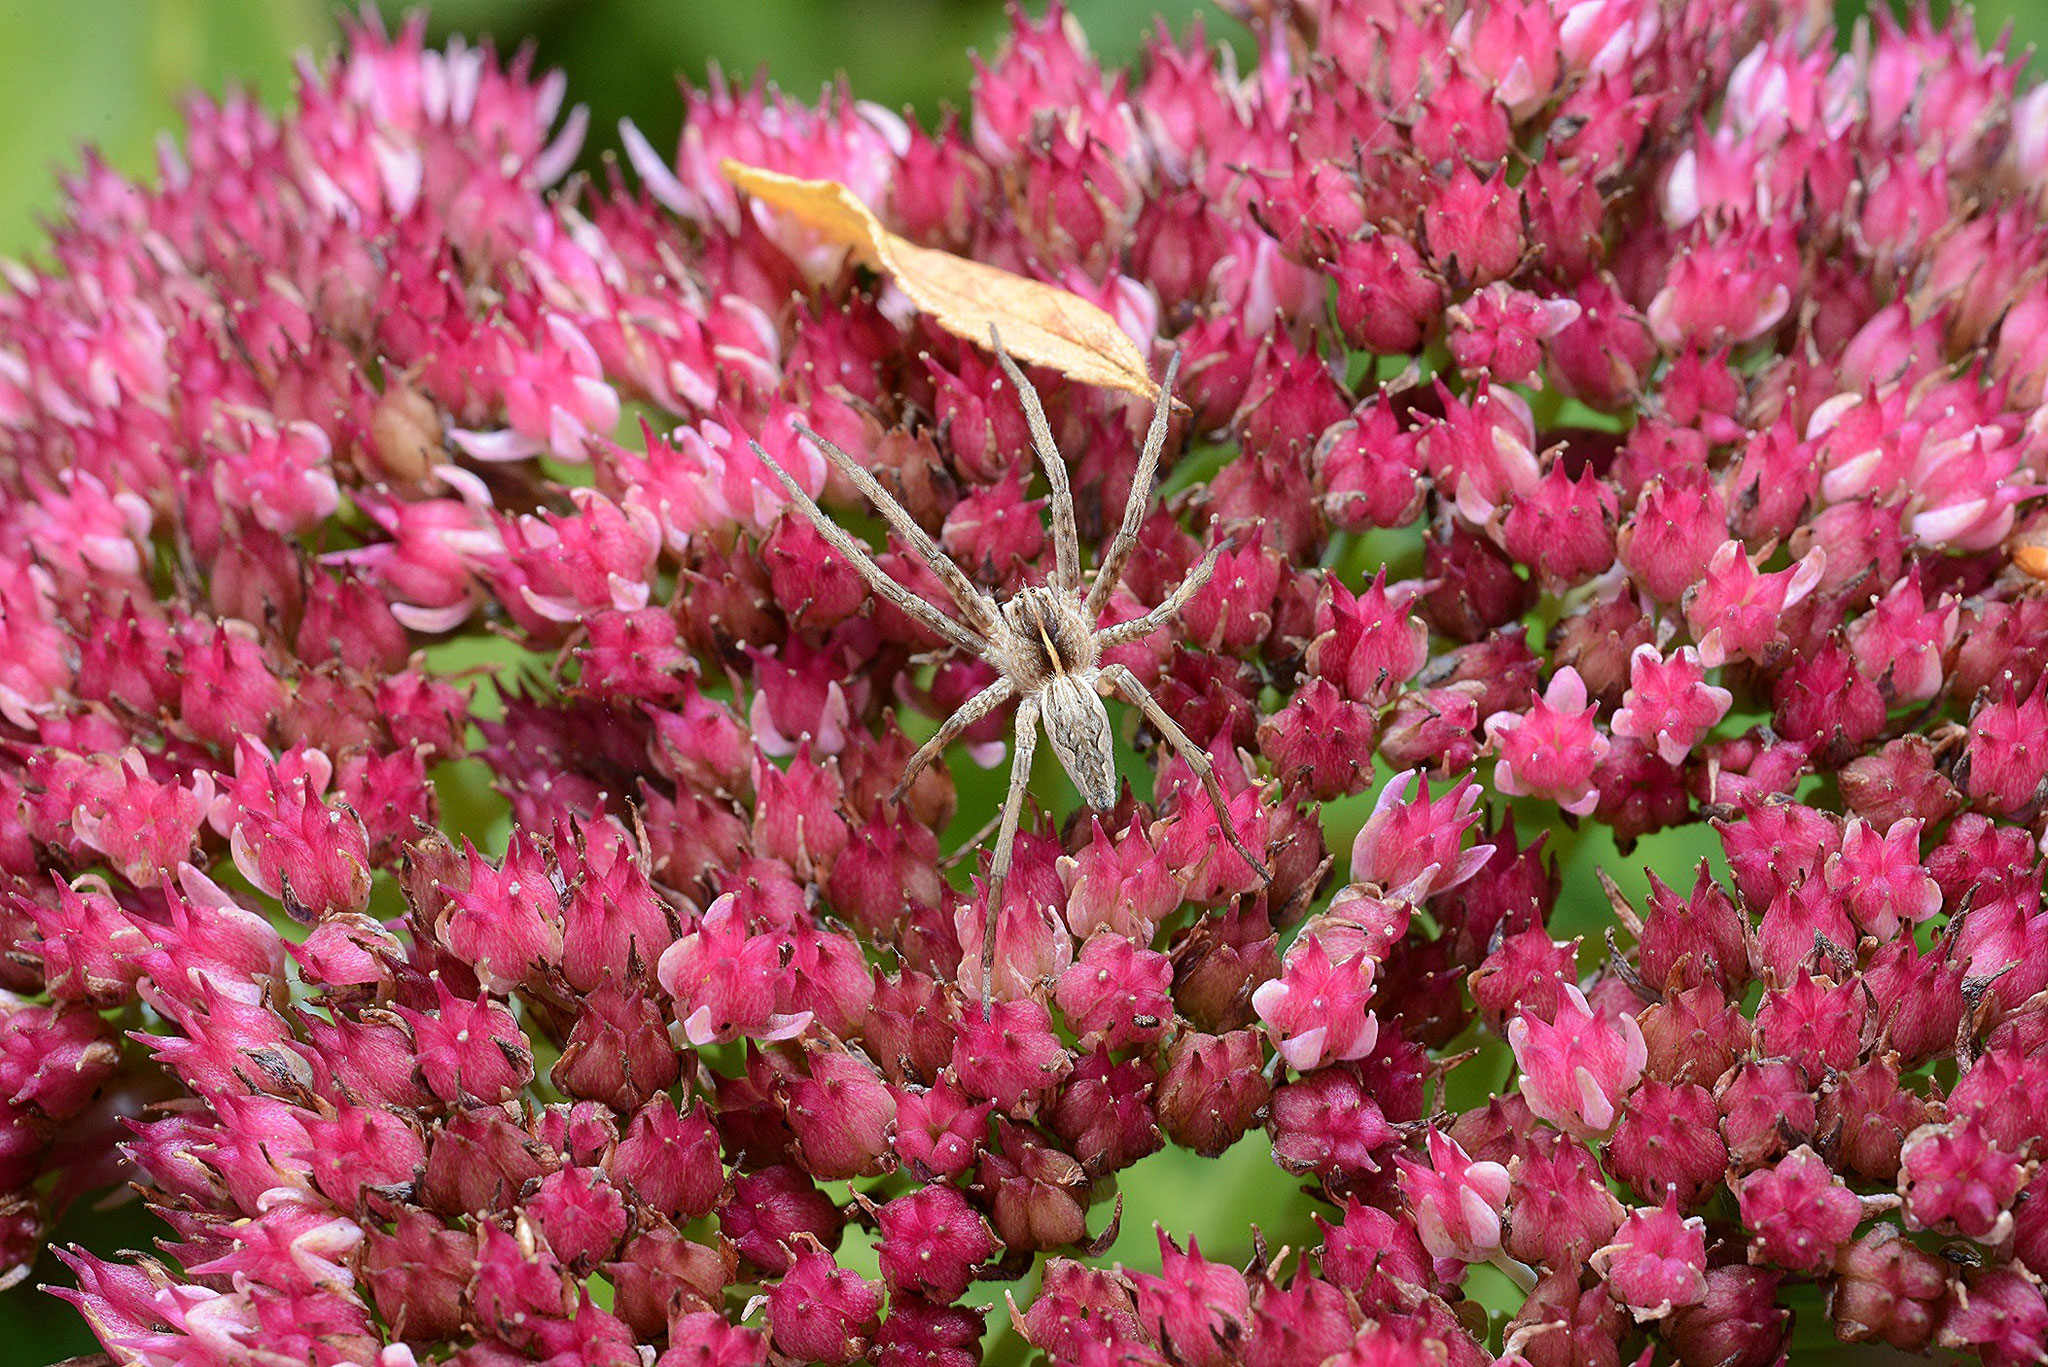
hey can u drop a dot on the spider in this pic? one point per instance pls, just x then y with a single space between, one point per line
1042 641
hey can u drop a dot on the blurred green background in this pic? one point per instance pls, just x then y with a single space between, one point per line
112 72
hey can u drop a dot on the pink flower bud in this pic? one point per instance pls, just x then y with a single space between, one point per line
1552 750
227 686
1887 1290
661 1277
2000 1314
1562 1208
1294 399
1870 1115
1321 741
797 812
1482 453
1694 1033
1387 299
1327 1123
1316 1010
314 857
1233 613
668 1160
469 1050
1775 483
1603 358
89 945
918 1331
1104 1112
1822 702
1309 1319
1657 1261
1881 879
1766 1108
1798 927
820 1312
1078 1306
1117 883
1668 1142
1671 541
932 1242
1691 941
1036 1195
1817 1025
1798 1212
1777 846
1011 1058
1198 1309
2005 766
1563 526
1500 332
1735 612
938 1131
362 1147
1737 1324
54 1059
417 1272
799 695
1409 846
705 1338
1734 288
1474 590
911 1025
1576 1068
1473 227
773 1213
1457 1202
1367 645
1212 1090
1897 783
841 1113
580 1214
507 923
1366 469
1952 1178
1116 993
618 1051
726 981
1524 971
1669 705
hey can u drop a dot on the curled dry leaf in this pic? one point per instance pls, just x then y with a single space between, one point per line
1039 323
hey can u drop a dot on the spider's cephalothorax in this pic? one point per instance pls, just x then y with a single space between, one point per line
1053 644
1043 642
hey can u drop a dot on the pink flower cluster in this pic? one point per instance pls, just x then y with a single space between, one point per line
1628 410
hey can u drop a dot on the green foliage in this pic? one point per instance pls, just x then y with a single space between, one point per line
113 73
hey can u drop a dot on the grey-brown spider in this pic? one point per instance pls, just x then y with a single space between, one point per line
1042 641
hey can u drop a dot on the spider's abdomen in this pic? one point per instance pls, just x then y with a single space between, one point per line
1051 638
1078 727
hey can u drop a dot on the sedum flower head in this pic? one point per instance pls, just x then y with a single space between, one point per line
1625 414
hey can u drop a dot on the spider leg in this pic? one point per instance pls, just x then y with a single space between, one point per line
1140 627
1006 842
980 611
857 556
964 716
1066 540
1126 539
1117 679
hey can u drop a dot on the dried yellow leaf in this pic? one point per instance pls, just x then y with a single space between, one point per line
1041 324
